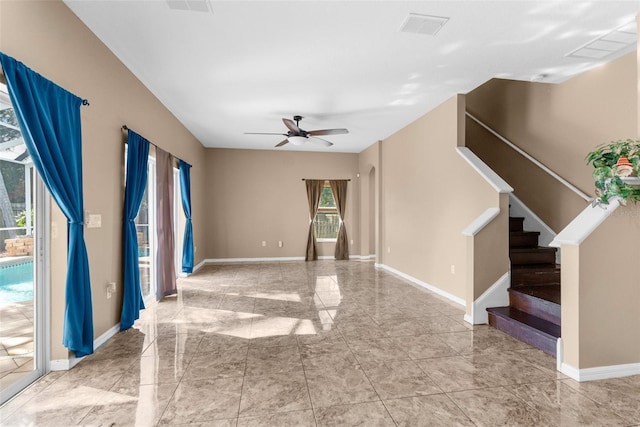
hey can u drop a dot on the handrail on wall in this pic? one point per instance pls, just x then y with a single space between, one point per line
532 159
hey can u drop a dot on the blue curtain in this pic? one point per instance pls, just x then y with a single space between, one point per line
49 119
135 184
185 190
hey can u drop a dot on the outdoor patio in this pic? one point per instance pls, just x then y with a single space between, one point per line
16 341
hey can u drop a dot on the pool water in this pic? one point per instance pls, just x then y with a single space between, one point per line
16 283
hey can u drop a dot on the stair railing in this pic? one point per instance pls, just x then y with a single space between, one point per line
532 159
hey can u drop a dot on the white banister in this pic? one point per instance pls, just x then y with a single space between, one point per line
532 159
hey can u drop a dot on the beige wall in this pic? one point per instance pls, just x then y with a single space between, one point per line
48 38
430 194
558 124
601 294
253 196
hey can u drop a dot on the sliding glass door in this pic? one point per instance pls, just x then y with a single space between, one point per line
146 228
23 284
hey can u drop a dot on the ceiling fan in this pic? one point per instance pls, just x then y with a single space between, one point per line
297 136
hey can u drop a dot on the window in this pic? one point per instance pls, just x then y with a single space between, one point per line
327 221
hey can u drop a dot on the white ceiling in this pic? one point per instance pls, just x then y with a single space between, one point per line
241 66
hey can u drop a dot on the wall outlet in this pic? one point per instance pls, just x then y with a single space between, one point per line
351 241
264 243
111 289
280 243
453 269
388 249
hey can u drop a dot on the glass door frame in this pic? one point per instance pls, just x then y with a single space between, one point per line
152 213
41 294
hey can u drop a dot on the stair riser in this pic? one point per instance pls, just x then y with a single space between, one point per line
516 224
546 310
523 240
524 333
524 258
534 278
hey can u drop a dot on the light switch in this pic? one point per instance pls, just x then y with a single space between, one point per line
94 221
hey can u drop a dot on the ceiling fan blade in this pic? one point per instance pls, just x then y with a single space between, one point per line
292 126
328 132
286 141
265 133
320 141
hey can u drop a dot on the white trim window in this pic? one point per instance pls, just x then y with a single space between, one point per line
327 221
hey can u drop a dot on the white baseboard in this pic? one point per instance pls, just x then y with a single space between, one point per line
264 259
269 259
66 364
199 265
419 282
600 372
496 296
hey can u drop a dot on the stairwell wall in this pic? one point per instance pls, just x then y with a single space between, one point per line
558 124
430 195
601 296
600 292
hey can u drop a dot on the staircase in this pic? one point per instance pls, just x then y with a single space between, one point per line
533 314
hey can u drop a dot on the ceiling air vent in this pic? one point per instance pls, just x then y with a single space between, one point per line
193 5
614 41
423 24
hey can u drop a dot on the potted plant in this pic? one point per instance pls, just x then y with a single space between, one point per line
616 167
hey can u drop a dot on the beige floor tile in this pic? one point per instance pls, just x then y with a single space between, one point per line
399 378
427 411
330 387
424 346
508 368
146 408
376 349
286 419
273 360
266 394
621 395
214 366
482 341
370 414
494 407
203 401
456 373
565 406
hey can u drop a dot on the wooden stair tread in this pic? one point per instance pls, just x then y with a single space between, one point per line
532 330
524 232
548 292
545 327
533 249
536 267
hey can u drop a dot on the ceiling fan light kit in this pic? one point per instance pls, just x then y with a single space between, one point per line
297 140
297 136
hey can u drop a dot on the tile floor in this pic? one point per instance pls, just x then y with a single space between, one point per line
315 344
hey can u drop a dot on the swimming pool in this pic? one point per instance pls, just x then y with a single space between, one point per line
16 282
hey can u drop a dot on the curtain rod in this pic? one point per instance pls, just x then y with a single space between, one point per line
125 128
305 179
